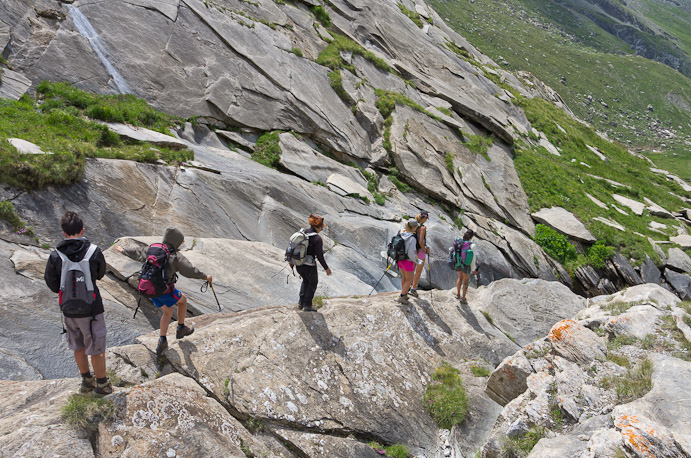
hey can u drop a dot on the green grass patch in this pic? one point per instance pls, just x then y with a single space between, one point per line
8 213
448 159
397 180
619 341
109 108
373 187
445 399
255 425
86 411
297 51
322 15
55 122
413 15
478 144
620 360
487 316
396 450
522 446
635 383
479 371
336 82
331 55
619 307
267 150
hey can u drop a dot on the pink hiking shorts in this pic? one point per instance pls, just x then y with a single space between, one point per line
406 265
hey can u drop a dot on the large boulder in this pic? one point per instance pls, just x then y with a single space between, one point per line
678 260
527 309
575 342
680 282
565 222
31 422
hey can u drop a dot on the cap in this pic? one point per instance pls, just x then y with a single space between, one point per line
412 222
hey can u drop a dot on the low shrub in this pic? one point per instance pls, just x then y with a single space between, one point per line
632 385
86 411
322 15
555 244
445 399
267 150
479 371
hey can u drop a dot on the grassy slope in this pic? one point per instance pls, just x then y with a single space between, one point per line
530 35
563 181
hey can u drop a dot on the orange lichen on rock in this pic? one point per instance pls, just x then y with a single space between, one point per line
560 330
631 430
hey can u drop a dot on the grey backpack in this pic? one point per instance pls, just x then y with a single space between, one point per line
77 293
296 253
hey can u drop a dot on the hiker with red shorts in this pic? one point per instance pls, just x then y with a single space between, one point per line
172 240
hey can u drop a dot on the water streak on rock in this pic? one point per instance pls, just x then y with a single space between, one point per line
87 30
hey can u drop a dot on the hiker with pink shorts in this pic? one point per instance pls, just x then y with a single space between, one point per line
422 249
407 265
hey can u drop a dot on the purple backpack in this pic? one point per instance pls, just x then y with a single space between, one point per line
152 276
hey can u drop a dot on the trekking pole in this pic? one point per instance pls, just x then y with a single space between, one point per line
429 279
380 279
139 300
205 288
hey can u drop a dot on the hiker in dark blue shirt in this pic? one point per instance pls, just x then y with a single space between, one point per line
308 270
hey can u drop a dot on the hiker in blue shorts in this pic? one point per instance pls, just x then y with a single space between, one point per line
172 239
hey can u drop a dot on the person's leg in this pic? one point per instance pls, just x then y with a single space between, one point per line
311 280
459 283
406 281
165 319
99 364
182 309
302 271
466 280
82 361
418 273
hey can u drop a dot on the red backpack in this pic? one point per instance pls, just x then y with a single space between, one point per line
152 276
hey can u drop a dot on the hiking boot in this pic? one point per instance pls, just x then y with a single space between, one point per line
403 299
162 346
103 388
300 306
183 331
457 296
309 309
413 292
88 384
464 300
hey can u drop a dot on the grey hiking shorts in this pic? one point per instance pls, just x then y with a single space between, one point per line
84 333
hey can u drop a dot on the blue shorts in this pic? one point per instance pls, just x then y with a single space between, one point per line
168 300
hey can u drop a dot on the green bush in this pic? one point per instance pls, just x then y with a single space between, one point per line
86 411
108 138
8 214
267 150
599 253
445 399
322 15
478 144
555 244
297 51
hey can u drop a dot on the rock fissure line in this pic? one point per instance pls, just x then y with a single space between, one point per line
256 67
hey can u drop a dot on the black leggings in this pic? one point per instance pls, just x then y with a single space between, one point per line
310 278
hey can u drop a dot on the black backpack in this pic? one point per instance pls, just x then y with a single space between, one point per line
152 276
77 291
396 250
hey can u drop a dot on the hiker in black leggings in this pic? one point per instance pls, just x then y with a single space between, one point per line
308 271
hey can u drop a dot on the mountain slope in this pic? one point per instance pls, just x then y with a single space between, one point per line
643 104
